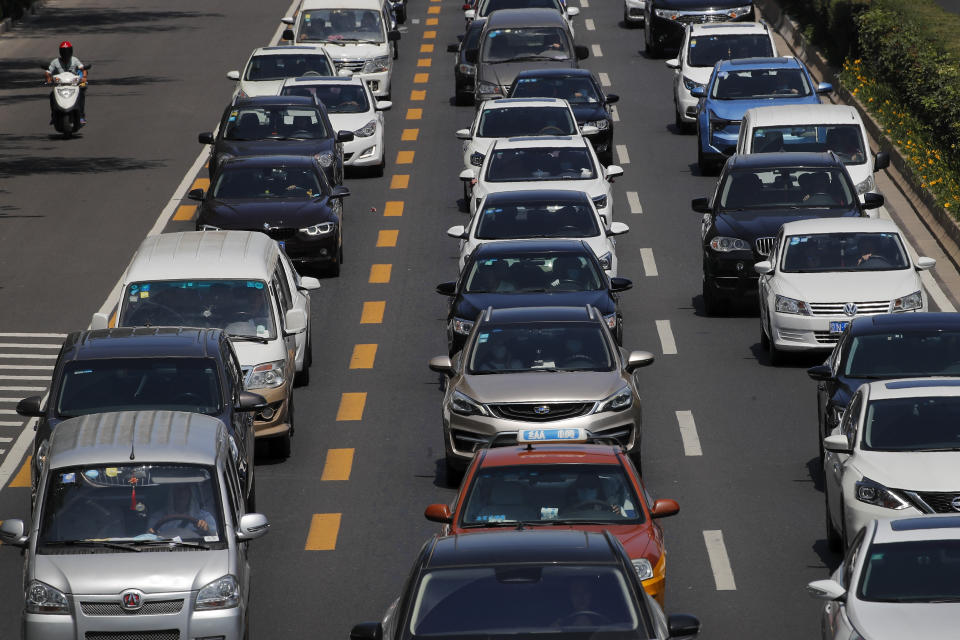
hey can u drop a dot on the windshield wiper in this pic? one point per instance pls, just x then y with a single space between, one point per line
125 546
179 543
246 338
494 523
524 58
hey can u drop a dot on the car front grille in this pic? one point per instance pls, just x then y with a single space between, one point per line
168 634
836 308
149 608
934 501
764 245
354 65
541 412
699 18
278 234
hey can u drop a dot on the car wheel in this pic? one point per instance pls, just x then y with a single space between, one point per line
834 541
454 471
466 194
606 158
652 50
706 166
379 169
777 356
711 302
334 269
302 378
463 98
764 340
281 444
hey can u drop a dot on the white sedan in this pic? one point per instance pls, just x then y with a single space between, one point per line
823 272
526 164
523 215
269 67
350 106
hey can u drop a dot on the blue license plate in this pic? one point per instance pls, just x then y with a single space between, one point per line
838 327
283 245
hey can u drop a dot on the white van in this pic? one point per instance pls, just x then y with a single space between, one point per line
819 127
238 281
356 33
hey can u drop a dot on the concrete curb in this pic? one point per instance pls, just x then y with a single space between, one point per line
8 23
938 221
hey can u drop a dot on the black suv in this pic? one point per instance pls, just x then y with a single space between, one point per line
756 194
664 21
136 368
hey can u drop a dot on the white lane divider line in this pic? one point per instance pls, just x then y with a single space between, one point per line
12 462
28 345
8 377
649 264
31 367
615 112
23 388
8 412
622 154
33 335
719 561
30 356
588 23
597 51
585 4
10 423
415 20
633 199
6 440
688 433
666 337
604 79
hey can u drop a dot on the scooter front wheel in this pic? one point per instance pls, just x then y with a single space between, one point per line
65 124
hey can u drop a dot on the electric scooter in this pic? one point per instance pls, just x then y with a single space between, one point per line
66 95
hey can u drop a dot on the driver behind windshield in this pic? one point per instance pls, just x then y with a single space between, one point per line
182 511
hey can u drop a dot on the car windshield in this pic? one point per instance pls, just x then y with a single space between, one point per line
760 83
551 494
245 183
915 571
239 307
532 219
902 354
537 273
526 43
792 188
336 98
522 599
129 384
342 25
573 89
544 346
706 51
119 506
913 424
278 67
274 122
540 163
490 6
845 140
844 252
509 122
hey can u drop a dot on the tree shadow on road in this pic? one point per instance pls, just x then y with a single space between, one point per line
28 165
81 21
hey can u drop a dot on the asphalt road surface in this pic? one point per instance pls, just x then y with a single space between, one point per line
346 507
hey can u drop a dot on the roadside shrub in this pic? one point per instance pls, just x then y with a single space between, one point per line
829 24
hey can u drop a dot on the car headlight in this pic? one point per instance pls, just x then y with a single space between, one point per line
64 92
207 227
222 157
622 399
908 302
41 456
242 94
602 125
462 327
739 12
725 244
791 305
874 493
268 375
324 159
464 405
322 229
606 260
366 130
643 568
222 593
42 598
599 202
718 124
476 158
611 320
690 84
376 65
467 69
866 186
489 89
669 14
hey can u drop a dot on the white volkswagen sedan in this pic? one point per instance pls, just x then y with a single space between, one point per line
526 164
524 215
899 580
351 107
893 454
823 272
269 67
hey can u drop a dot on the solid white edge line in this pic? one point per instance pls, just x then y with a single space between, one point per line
649 264
604 79
32 367
688 433
29 356
8 377
11 463
666 337
633 199
28 345
597 51
23 388
33 335
622 154
719 560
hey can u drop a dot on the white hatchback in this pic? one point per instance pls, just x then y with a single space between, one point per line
269 67
823 272
524 215
529 163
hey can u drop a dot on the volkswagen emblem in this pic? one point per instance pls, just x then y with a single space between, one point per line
541 409
266 226
955 503
131 599
850 309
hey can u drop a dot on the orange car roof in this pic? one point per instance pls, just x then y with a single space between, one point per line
552 454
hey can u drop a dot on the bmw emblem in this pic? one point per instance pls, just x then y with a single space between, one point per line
955 503
541 409
850 309
131 599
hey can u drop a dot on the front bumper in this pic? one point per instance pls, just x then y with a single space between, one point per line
278 401
633 10
379 82
686 103
859 514
309 251
602 142
718 145
668 34
732 275
363 152
794 332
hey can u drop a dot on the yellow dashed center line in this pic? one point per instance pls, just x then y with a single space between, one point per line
351 407
338 465
387 237
393 208
429 35
418 95
421 78
22 479
410 135
185 212
323 532
380 273
400 181
200 183
414 114
372 313
363 356
433 10
426 48
432 22
404 157
424 62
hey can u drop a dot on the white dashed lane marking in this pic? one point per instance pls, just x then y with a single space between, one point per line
688 433
666 337
649 264
615 112
604 79
622 154
634 201
588 23
585 4
597 51
719 561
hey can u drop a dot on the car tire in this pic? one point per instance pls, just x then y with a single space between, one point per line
334 269
834 539
651 49
466 194
706 166
302 378
463 98
606 158
776 356
454 471
764 340
378 170
635 458
281 444
711 302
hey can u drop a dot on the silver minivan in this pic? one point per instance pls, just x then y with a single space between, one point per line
139 531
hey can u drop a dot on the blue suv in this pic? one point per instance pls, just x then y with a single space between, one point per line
741 84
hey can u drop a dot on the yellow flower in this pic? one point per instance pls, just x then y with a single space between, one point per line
946 204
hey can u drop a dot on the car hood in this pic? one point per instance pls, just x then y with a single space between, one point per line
700 75
849 286
913 471
637 539
542 386
254 213
734 109
896 620
504 73
148 571
350 121
589 112
593 187
275 147
470 305
251 353
759 223
261 87
355 50
699 4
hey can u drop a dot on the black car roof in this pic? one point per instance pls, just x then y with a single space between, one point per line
887 322
531 546
142 342
522 315
537 246
554 72
534 195
506 18
277 161
305 101
783 159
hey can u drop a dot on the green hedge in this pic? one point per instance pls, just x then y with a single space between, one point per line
829 24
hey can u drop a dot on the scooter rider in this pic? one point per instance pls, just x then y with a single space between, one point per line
67 62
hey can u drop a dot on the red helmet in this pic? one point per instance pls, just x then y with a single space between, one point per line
66 50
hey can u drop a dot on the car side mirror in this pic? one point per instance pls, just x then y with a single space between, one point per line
344 73
664 508
572 12
470 14
620 284
287 34
820 373
471 56
672 63
614 171
612 98
195 194
339 191
248 401
638 360
824 88
441 364
383 105
881 161
288 20
582 52
393 36
30 407
233 75
308 283
617 229
463 134
295 321
453 48
447 288
12 533
837 444
924 263
458 231
99 321
252 525
698 92
205 138
826 590
589 130
872 200
682 625
344 136
438 513
367 631
468 175
700 205
763 268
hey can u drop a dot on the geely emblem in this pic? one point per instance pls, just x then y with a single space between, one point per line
542 410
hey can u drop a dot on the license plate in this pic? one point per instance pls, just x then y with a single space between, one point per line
283 245
838 327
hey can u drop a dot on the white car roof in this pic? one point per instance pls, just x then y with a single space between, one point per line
200 255
532 142
520 103
913 388
727 28
286 50
939 526
840 225
803 114
307 5
306 81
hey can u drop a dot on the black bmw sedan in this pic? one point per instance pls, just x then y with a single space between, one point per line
530 273
287 197
277 125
